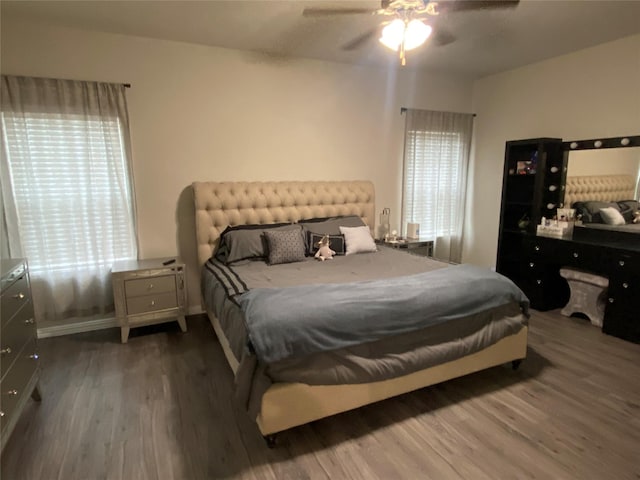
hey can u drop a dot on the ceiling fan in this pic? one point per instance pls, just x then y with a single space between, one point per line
405 29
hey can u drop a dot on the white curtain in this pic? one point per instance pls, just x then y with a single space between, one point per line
436 159
67 189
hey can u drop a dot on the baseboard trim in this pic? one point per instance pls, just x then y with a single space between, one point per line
195 310
56 329
78 326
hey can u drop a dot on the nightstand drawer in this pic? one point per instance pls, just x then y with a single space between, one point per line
150 286
151 303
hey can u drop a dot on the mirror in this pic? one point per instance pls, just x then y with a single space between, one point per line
598 158
612 161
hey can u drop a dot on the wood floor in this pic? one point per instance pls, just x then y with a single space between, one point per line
161 407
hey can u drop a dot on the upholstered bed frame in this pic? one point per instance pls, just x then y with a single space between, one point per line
602 188
286 405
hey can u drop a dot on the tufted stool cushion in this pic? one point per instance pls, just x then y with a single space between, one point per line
587 294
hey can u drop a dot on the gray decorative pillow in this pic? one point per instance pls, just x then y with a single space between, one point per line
336 242
285 246
246 242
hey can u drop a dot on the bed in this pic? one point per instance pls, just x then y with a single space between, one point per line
589 194
301 397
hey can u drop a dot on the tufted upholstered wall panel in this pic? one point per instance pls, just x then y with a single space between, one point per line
220 204
602 188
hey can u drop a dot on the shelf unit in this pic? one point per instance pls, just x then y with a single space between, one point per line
532 187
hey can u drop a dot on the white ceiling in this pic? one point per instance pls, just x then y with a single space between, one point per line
487 42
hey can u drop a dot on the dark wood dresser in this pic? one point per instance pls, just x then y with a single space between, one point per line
616 257
19 357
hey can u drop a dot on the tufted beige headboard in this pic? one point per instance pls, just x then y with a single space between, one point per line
603 188
220 204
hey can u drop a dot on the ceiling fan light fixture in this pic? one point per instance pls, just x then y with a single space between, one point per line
403 35
416 34
393 34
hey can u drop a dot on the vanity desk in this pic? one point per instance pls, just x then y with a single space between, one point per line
616 257
595 178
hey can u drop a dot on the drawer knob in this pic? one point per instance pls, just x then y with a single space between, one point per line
621 263
539 282
625 285
29 321
531 264
576 254
5 351
150 286
1 414
19 296
611 300
12 392
536 248
34 356
153 302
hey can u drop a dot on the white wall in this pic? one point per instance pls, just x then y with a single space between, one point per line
588 94
203 113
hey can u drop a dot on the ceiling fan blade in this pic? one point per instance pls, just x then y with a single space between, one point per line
442 37
326 12
467 5
360 40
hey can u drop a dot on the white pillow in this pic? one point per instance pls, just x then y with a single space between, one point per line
612 216
358 240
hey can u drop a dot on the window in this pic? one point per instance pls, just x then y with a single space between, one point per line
433 165
436 158
66 180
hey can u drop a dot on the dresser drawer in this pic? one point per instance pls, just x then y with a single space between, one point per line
18 377
150 286
14 298
625 263
151 303
15 335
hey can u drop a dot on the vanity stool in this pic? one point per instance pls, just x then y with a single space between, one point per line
588 293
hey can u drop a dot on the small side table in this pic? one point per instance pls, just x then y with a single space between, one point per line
147 292
418 246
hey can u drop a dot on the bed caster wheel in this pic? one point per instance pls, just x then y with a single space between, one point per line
271 440
515 364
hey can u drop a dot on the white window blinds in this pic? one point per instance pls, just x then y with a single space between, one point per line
71 194
434 162
436 158
67 187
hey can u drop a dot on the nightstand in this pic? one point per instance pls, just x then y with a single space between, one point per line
146 292
417 246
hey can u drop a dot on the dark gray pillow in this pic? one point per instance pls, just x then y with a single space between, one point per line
284 246
330 225
627 207
590 211
336 243
245 242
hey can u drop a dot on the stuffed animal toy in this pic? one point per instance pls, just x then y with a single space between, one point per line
324 252
636 216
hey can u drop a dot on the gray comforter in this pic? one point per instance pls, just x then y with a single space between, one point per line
296 321
223 288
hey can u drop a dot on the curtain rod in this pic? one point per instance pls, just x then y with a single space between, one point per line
404 109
